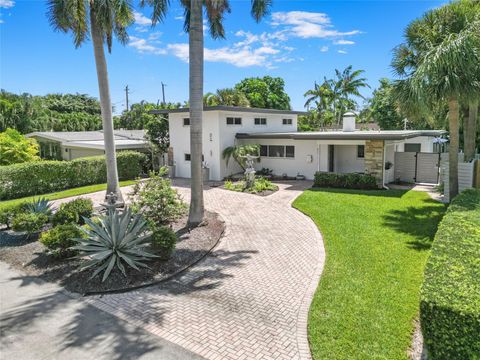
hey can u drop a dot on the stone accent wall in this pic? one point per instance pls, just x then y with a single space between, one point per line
374 159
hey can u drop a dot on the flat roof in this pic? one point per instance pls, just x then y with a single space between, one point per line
343 135
231 108
124 139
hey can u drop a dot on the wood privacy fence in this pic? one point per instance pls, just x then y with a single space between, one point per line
468 174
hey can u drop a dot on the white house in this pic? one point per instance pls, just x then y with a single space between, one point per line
69 145
287 151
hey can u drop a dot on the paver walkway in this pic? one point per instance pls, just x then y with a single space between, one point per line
249 299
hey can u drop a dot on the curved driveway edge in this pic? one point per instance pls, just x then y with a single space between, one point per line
249 299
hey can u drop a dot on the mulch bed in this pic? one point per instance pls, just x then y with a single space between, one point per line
28 255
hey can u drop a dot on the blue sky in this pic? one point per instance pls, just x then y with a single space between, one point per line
300 41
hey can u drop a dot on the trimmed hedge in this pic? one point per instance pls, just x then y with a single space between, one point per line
450 297
345 181
41 177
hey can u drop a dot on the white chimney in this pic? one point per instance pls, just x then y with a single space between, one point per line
349 122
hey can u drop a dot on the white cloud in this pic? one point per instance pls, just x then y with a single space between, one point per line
306 25
144 47
324 49
140 19
344 42
342 52
7 4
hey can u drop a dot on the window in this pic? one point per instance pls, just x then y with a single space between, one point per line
281 151
412 147
263 150
287 121
234 121
290 151
186 121
260 121
360 151
276 151
187 157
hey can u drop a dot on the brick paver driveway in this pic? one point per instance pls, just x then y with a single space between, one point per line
249 299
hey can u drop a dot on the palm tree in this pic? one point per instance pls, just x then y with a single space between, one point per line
102 19
323 96
439 62
215 11
348 82
470 129
228 97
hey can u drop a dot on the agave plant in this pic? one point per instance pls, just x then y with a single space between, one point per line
116 239
39 206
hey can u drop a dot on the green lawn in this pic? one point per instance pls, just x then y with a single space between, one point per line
377 243
65 193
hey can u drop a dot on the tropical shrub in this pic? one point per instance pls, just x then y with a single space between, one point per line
29 222
16 148
119 239
60 239
41 177
163 240
73 212
346 181
40 206
260 184
450 296
7 213
157 201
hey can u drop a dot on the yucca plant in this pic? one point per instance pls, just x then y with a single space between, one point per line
39 206
116 239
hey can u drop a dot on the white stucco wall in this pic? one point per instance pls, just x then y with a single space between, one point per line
426 143
217 135
346 160
305 161
390 156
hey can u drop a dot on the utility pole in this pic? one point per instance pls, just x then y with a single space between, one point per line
163 92
405 121
126 97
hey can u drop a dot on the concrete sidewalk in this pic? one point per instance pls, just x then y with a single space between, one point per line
40 321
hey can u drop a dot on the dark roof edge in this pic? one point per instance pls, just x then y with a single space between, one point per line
230 108
344 136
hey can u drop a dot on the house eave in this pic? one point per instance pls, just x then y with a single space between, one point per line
366 135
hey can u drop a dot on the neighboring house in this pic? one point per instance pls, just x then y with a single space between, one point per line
71 145
288 152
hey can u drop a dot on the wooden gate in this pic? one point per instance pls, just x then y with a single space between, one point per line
417 167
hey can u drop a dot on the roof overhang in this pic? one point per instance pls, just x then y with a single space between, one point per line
354 135
232 109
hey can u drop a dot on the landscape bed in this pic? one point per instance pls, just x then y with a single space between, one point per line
30 257
377 243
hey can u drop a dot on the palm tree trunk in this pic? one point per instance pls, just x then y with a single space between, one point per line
470 130
453 115
195 216
113 185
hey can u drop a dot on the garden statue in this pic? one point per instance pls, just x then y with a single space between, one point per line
249 170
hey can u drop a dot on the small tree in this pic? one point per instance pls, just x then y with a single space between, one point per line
239 152
16 148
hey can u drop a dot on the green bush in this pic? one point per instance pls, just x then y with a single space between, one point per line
73 212
346 181
29 222
450 297
7 213
157 201
60 239
163 240
260 184
41 177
